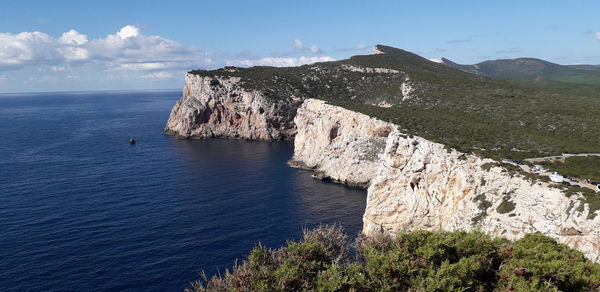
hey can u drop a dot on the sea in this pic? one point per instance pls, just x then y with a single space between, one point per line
83 210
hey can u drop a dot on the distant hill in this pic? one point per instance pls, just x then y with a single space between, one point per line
532 69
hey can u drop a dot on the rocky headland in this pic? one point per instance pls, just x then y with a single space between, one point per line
219 107
413 183
416 184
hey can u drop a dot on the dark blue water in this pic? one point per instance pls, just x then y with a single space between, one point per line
82 210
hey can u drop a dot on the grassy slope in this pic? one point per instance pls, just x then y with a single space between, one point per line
578 166
533 71
494 118
470 112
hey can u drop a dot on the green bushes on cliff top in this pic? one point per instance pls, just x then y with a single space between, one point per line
471 113
417 261
578 166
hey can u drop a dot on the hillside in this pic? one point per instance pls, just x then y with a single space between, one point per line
533 70
468 112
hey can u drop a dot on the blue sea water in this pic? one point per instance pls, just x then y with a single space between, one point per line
82 210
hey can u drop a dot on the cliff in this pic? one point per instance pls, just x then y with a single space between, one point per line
417 184
220 107
470 112
339 146
260 103
413 183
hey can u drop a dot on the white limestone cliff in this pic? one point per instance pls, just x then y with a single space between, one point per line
219 107
417 184
338 144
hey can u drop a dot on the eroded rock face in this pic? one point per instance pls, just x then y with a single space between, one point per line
422 185
214 107
416 184
338 144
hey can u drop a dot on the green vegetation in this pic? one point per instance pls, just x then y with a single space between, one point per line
506 206
589 197
417 261
533 71
488 165
468 112
483 205
587 167
527 129
561 87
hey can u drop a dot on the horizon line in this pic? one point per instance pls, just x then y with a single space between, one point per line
83 91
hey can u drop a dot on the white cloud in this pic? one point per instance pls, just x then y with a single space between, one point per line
73 37
123 57
162 75
42 79
142 66
74 53
26 47
298 45
60 68
314 49
357 48
128 49
129 31
598 35
279 62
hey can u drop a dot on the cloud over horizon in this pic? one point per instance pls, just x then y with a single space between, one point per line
115 51
127 54
299 46
279 61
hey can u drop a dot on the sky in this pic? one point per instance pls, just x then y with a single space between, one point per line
126 45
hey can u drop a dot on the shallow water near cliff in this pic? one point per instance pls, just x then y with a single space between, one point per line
84 210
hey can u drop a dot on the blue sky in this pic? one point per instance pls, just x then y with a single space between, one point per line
93 45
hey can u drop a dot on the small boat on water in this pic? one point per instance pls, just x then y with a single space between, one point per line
132 141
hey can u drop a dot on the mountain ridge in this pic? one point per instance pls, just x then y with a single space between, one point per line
532 69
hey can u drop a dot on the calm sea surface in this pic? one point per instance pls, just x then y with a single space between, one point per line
82 210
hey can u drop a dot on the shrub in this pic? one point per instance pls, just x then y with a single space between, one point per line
435 261
415 261
506 206
539 263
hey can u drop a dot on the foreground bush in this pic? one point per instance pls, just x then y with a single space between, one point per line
417 261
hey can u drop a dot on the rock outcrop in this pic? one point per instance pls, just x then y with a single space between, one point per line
338 144
417 184
220 107
260 103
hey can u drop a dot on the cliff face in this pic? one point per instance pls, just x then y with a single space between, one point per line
338 144
417 184
260 103
219 107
